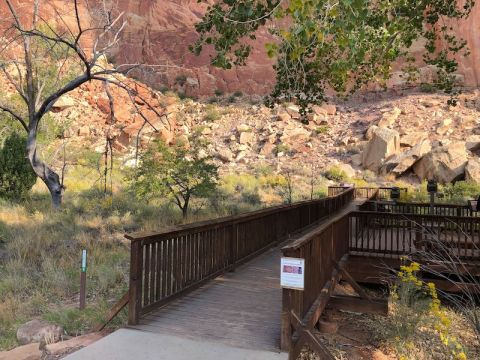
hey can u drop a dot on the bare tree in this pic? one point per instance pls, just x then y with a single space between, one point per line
45 61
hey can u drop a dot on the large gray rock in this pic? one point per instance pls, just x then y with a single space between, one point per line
472 170
39 331
401 163
443 164
384 143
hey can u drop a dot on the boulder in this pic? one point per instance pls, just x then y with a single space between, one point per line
389 118
224 155
325 109
283 116
247 137
39 331
64 102
444 126
293 111
296 134
401 163
384 143
413 138
369 133
444 164
243 128
472 170
473 143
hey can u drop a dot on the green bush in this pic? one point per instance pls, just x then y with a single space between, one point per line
336 174
16 174
212 113
218 92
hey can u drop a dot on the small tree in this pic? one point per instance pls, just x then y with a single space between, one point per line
16 174
179 172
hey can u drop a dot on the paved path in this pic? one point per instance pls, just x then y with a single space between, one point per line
131 344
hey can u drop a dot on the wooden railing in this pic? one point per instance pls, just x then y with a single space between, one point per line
166 265
322 248
378 193
422 209
394 234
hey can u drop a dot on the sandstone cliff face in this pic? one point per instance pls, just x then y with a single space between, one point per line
160 31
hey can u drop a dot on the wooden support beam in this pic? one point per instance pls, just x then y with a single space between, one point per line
356 304
113 312
346 275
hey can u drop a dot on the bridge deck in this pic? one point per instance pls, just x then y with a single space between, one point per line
240 309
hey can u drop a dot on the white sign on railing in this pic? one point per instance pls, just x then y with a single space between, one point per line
292 273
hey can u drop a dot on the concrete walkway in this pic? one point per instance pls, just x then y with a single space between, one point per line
131 344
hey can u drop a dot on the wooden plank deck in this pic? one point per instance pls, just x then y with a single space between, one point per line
240 309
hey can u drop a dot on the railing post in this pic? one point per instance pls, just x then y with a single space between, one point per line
135 293
286 330
233 246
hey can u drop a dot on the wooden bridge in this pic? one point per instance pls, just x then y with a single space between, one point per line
219 280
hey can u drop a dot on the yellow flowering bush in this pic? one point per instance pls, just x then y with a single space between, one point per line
416 307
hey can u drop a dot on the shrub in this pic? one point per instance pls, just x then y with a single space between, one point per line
212 113
324 129
181 80
336 174
238 93
218 92
16 174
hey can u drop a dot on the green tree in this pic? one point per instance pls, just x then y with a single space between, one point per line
334 44
179 173
16 174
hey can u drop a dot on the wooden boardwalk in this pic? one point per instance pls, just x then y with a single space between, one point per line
240 309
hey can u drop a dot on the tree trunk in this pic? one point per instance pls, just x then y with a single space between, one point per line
48 176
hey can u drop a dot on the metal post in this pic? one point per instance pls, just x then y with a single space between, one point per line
83 280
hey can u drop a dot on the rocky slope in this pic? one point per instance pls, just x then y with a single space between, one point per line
377 136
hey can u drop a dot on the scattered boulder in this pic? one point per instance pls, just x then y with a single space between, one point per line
293 111
401 163
444 126
325 109
296 134
64 102
370 132
243 128
84 131
472 170
26 352
247 137
283 116
389 118
357 159
385 143
413 138
473 143
444 164
39 331
224 155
